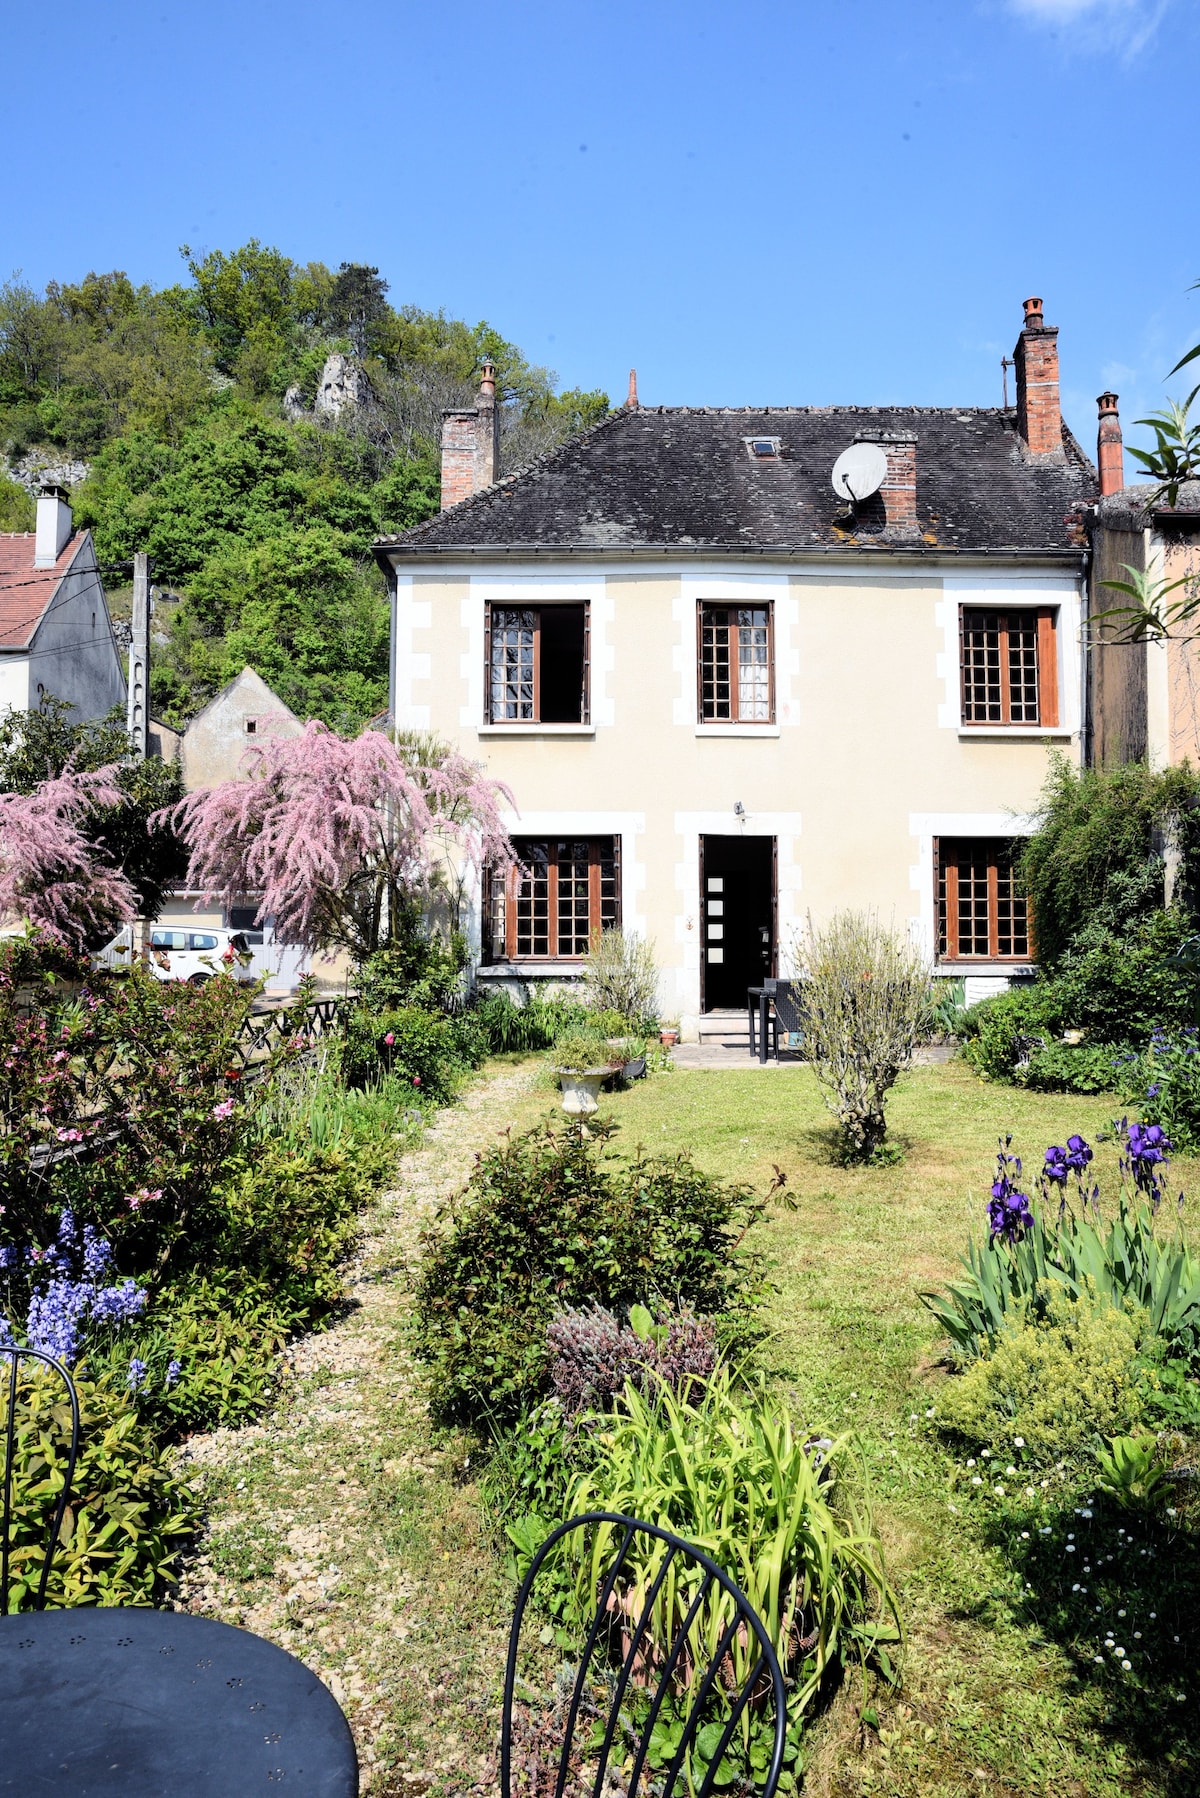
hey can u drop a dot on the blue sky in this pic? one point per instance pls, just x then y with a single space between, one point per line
799 203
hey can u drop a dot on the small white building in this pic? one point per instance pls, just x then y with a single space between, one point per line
56 636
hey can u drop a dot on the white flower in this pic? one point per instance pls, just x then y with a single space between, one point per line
1010 1471
971 1462
1153 1616
1120 1613
1119 1651
1070 1548
931 1411
1029 1492
975 1480
1044 1530
953 1508
1024 1535
985 1452
1075 1587
1128 1666
1171 1511
1018 1441
999 1491
1137 1635
912 1417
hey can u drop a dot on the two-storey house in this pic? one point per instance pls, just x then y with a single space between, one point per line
726 694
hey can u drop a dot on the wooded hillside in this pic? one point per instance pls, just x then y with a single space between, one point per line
195 409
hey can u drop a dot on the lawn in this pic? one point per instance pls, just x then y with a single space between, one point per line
344 1531
991 1699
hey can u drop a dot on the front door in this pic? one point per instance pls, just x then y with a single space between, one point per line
737 918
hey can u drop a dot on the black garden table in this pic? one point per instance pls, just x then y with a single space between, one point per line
161 1704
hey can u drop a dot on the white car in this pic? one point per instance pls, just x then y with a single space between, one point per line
194 955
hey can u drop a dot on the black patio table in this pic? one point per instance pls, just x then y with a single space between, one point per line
758 998
160 1704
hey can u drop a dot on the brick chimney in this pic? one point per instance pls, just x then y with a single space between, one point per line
471 444
54 525
631 399
899 490
1039 419
1110 450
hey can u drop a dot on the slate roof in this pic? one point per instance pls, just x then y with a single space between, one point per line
681 478
26 592
1144 505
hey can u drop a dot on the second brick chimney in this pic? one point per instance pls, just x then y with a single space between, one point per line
471 444
899 490
1039 419
1110 449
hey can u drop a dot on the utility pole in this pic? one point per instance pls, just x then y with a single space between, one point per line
137 708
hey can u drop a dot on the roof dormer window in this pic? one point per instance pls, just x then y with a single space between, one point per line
762 449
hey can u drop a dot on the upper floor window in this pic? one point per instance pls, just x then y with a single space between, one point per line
982 913
559 896
1009 663
537 664
736 667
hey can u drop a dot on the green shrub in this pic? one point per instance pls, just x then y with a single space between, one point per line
995 1028
868 999
730 1471
1055 1382
1095 855
428 1049
530 1026
582 1049
1164 1083
417 968
549 1221
1067 1068
620 975
127 1518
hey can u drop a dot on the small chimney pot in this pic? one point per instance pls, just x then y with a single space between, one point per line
631 399
1110 448
54 525
471 443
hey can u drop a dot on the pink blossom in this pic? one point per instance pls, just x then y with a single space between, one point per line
224 1109
51 874
69 1135
416 1079
390 1038
334 837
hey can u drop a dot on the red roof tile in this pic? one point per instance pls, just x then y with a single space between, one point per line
26 591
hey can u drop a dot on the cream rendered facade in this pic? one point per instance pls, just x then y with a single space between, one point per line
866 765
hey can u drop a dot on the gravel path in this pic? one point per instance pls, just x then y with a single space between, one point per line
338 1529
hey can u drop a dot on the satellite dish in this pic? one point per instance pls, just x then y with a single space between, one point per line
859 471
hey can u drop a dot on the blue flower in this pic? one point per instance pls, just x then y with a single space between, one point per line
1056 1165
137 1374
1152 1092
174 1369
1009 1212
1079 1153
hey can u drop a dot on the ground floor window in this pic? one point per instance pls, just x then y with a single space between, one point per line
562 892
982 913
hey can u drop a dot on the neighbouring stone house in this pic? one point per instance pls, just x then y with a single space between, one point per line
56 636
726 695
212 749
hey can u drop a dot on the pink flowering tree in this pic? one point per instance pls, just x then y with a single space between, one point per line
337 839
51 874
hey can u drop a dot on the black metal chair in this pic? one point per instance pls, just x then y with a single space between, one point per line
30 1555
633 1674
790 1015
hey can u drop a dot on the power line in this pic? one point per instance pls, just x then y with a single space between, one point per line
95 585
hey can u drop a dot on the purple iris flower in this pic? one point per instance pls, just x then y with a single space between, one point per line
1079 1153
1057 1167
1152 1092
1009 1212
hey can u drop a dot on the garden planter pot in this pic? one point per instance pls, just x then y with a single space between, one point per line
668 1038
581 1089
